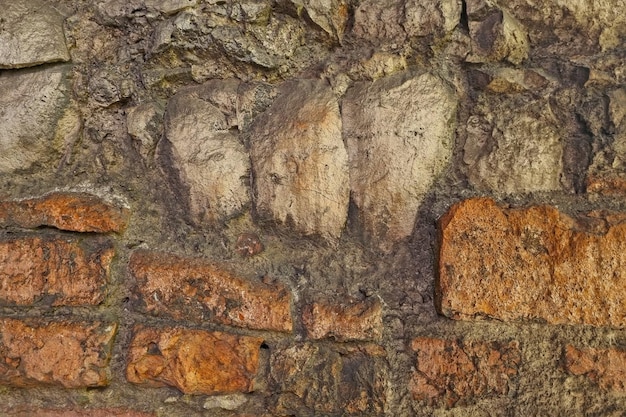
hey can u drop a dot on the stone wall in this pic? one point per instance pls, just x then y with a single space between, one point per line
312 207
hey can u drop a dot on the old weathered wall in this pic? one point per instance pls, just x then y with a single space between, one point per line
312 207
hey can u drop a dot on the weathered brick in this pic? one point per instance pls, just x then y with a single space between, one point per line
450 371
73 355
98 412
76 212
193 289
532 263
53 270
194 361
605 367
351 320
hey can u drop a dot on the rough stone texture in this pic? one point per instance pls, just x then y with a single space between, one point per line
71 355
193 289
318 380
53 270
605 367
31 33
76 212
211 160
330 15
533 263
430 17
145 125
108 412
225 402
300 162
169 6
349 320
248 244
194 361
495 33
406 118
516 149
449 371
31 103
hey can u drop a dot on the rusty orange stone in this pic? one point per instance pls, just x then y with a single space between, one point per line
605 367
72 355
194 361
450 372
351 320
531 263
76 212
193 289
53 270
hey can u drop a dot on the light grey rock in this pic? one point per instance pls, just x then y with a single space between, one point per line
299 160
31 33
145 125
225 402
399 133
514 145
251 11
210 159
426 17
169 6
31 104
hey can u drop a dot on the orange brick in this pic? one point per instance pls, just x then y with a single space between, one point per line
77 212
450 371
192 289
53 270
605 367
350 320
533 263
73 355
194 361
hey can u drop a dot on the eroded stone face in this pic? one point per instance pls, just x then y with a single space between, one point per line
399 133
605 367
31 33
299 160
194 361
531 264
31 104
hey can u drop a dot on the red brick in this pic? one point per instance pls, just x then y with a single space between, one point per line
532 263
53 270
77 212
194 361
350 320
605 367
72 355
450 371
108 412
192 289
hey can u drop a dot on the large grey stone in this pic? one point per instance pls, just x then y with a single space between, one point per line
299 160
31 33
31 104
399 132
210 159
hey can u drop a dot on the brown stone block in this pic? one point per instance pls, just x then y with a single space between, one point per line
352 320
194 361
533 263
72 355
605 367
76 212
53 270
450 371
193 289
98 412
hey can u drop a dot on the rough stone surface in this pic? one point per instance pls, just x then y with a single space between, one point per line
449 371
330 15
516 149
108 412
604 367
315 379
533 263
299 160
31 103
193 289
76 212
31 33
225 402
431 17
145 125
71 355
349 320
210 159
194 361
53 270
406 118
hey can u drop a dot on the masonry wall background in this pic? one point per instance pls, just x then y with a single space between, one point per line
312 207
